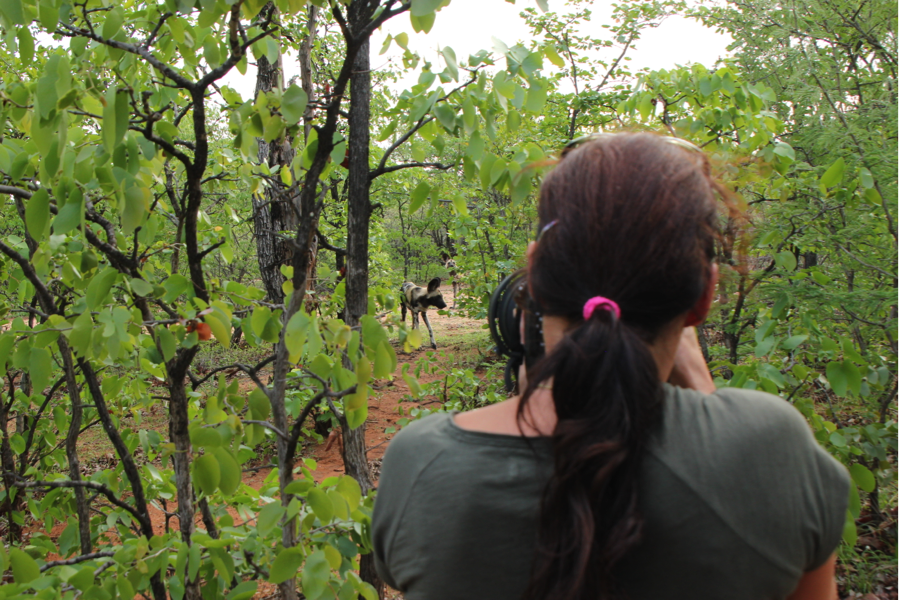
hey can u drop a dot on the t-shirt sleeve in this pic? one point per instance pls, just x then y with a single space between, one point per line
406 458
393 488
805 480
829 483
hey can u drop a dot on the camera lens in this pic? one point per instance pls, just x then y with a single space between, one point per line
502 317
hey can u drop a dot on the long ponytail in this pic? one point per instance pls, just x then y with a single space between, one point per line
635 222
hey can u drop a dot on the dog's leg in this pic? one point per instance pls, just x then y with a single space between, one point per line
414 319
424 316
403 309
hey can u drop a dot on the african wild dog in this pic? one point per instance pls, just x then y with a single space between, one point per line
417 300
451 268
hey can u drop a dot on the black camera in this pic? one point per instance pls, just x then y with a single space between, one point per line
509 300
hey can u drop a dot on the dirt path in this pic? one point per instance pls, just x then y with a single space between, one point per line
453 333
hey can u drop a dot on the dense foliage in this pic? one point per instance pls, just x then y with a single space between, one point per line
136 182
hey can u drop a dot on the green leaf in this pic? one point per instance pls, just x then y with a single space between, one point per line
837 378
785 150
80 334
24 568
863 477
423 23
40 368
820 277
645 106
387 131
320 505
293 104
552 56
17 443
418 196
243 591
71 215
98 288
207 473
536 97
786 260
850 533
113 22
873 196
259 319
382 367
286 566
135 208
26 43
450 57
140 287
206 437
295 336
834 174
791 342
853 377
268 517
865 178
350 490
446 115
220 329
230 471
167 342
211 52
421 8
855 503
260 405
13 11
316 574
37 214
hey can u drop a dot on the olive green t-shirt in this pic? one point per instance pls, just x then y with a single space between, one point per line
738 499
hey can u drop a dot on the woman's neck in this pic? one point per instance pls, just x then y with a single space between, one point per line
539 415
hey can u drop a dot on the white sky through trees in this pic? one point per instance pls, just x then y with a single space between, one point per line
470 25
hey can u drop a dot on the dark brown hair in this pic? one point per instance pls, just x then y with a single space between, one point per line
635 221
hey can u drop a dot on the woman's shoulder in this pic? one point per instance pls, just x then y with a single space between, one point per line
419 437
734 414
753 459
744 438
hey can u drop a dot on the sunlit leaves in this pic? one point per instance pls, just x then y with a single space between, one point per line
419 195
207 473
834 174
293 104
37 214
24 568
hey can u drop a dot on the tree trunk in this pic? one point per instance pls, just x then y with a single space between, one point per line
305 60
273 210
82 506
358 218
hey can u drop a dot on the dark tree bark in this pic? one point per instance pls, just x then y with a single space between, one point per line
274 216
82 506
359 211
358 218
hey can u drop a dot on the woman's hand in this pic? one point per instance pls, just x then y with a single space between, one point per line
690 370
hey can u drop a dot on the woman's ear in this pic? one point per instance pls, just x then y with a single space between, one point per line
700 310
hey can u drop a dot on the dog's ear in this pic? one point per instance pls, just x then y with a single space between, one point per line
434 285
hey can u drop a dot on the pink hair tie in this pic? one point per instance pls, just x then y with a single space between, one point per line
600 302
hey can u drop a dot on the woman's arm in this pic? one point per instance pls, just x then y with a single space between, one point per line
818 584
